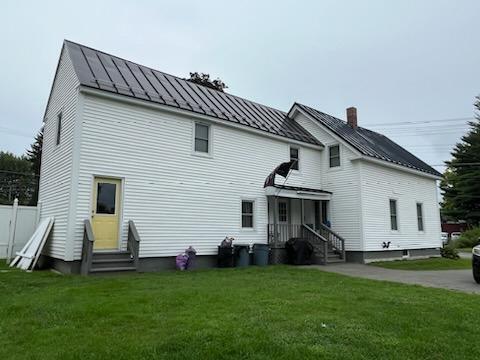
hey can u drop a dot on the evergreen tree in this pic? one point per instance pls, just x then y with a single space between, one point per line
34 155
461 183
17 179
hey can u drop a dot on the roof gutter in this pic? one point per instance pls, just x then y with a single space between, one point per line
139 102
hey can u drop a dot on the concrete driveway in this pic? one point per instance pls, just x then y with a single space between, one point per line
460 280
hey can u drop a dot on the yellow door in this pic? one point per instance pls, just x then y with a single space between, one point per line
106 213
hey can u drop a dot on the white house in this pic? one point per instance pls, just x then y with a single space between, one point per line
151 163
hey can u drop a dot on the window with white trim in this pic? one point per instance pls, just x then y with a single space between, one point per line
202 138
393 215
294 156
334 155
247 214
420 216
59 128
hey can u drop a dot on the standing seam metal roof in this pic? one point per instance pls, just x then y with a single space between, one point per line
370 143
96 69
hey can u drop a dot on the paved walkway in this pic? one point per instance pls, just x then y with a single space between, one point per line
460 280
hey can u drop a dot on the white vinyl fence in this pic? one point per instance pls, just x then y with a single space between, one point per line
17 224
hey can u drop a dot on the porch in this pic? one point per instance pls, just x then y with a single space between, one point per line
295 212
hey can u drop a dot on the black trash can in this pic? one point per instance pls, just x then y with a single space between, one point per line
242 256
260 254
225 257
299 251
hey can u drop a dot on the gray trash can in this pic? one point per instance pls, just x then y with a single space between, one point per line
260 254
242 256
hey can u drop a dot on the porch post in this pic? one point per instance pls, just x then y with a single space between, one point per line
302 212
275 217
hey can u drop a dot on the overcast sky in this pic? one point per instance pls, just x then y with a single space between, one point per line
396 61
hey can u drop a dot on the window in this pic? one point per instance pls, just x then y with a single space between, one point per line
282 211
334 155
106 198
59 128
393 214
247 214
294 152
202 138
420 216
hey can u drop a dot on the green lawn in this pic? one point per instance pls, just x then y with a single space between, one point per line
426 264
277 312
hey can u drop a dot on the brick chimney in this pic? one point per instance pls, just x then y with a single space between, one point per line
352 117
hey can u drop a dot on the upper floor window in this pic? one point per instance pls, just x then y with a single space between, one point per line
393 215
420 216
247 214
294 156
334 155
59 128
202 135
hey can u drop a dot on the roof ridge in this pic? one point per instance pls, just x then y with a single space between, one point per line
174 76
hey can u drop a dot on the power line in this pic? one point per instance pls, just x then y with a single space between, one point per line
422 121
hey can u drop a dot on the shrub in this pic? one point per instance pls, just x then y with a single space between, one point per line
449 252
468 239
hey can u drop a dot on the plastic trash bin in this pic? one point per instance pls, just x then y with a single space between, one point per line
260 254
242 256
225 256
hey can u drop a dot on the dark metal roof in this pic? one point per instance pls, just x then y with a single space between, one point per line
99 70
298 188
370 143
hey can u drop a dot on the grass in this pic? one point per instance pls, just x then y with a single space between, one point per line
276 312
426 264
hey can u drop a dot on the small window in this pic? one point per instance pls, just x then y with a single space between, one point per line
282 211
294 152
247 214
106 194
59 128
420 216
393 214
334 155
202 138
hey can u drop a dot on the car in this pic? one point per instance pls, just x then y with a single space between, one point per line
455 235
444 238
476 263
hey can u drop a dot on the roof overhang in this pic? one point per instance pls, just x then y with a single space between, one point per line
398 167
297 193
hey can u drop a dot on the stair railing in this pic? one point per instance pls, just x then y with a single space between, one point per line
133 243
335 241
87 247
317 240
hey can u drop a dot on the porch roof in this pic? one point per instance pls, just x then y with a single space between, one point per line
297 192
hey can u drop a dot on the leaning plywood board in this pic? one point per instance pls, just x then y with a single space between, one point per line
27 258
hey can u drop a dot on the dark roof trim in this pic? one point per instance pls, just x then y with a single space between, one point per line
367 142
102 71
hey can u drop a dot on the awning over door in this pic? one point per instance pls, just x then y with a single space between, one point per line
297 192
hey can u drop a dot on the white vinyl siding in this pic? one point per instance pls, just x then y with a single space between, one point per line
56 171
346 204
380 183
179 200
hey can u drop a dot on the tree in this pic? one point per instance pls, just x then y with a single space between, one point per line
461 183
204 79
34 155
17 179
